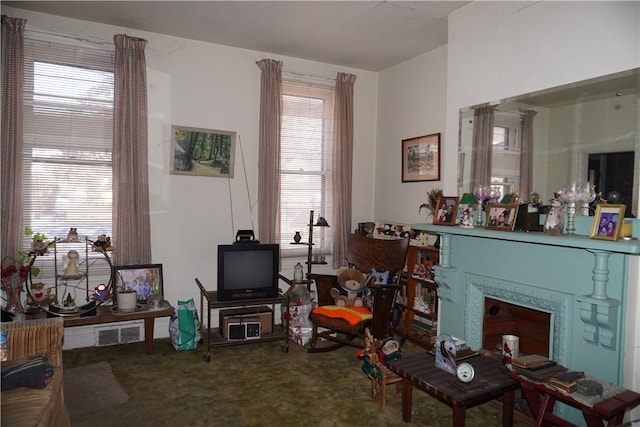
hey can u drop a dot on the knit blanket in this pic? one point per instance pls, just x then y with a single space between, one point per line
353 315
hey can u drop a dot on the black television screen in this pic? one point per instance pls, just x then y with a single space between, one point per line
248 271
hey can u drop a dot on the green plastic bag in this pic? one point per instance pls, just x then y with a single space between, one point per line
184 327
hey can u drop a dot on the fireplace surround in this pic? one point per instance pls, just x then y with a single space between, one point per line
589 288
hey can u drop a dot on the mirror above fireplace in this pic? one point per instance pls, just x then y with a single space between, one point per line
584 131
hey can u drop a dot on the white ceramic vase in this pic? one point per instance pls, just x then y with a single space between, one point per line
126 300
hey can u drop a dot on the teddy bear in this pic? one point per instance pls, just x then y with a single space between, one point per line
350 291
40 294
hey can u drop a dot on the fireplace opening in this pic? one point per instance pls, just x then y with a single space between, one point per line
532 326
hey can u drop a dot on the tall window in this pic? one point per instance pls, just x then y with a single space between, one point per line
68 120
306 165
505 160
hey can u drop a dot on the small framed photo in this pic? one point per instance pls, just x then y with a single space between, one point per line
145 279
446 210
607 222
202 152
421 158
501 217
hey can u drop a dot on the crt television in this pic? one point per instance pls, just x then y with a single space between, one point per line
248 271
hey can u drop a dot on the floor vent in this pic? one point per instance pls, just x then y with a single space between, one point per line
121 334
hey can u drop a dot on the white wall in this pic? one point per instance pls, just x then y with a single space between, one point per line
203 85
411 103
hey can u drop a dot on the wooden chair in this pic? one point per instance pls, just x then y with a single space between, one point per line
376 371
363 253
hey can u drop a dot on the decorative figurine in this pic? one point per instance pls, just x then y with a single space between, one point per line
298 273
72 263
72 234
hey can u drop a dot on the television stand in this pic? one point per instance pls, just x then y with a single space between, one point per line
215 337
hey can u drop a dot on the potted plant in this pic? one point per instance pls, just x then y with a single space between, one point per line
39 241
432 201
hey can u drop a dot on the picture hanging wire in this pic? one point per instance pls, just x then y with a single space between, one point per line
246 182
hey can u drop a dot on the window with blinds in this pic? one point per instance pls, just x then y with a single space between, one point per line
306 161
68 119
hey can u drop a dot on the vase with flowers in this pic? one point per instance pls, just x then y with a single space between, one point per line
15 271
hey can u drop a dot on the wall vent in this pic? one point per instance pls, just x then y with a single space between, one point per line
122 334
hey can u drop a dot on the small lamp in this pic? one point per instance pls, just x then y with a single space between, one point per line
470 199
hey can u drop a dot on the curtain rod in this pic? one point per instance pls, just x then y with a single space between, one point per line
303 77
30 31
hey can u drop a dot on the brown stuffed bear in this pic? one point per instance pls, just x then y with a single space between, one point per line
351 290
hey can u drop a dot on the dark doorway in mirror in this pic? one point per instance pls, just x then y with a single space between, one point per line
612 173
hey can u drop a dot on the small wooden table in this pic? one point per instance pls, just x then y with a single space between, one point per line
491 381
541 399
104 315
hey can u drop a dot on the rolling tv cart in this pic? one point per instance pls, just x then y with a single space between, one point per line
248 314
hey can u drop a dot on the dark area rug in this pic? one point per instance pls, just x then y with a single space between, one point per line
91 388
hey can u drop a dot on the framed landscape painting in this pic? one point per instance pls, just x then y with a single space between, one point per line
202 152
421 158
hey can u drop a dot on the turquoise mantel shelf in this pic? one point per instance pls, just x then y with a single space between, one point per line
598 312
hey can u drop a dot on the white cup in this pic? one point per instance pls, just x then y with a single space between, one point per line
510 349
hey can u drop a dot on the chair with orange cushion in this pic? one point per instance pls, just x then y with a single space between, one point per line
342 325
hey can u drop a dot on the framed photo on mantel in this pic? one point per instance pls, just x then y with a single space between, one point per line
421 158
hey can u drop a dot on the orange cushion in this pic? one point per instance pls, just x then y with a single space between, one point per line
353 315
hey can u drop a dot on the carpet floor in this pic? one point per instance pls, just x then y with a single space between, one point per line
253 385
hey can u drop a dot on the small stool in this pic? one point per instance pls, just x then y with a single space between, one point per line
376 371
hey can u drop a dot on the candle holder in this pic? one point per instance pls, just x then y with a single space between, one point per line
482 193
570 195
587 195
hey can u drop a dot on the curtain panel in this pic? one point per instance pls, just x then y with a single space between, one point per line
343 166
131 221
11 141
483 120
269 150
526 154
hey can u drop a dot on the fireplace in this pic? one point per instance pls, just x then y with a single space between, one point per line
504 318
549 310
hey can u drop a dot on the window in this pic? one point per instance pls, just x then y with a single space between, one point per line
306 164
68 120
505 160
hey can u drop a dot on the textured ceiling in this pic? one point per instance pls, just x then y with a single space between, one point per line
368 35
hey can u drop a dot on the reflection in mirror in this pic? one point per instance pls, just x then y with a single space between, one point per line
540 142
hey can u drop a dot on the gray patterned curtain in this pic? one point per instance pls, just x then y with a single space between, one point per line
343 166
11 139
482 145
269 150
131 221
526 154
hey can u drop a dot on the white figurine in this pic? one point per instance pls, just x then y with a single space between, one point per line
72 263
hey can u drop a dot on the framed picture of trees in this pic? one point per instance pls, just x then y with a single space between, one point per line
202 152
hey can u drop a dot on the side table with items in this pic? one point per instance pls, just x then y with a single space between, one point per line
257 310
606 402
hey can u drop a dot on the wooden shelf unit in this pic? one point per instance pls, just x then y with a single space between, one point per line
416 310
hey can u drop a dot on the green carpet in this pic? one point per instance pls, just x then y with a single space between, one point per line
254 385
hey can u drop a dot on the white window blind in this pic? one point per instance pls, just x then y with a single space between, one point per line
68 120
306 158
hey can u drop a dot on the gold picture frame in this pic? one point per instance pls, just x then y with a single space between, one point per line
421 158
446 211
607 222
501 216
